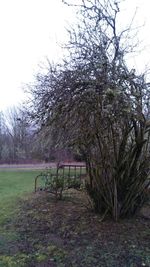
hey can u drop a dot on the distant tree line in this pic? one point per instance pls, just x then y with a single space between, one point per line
16 137
22 142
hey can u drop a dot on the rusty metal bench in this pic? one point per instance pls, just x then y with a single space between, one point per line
65 176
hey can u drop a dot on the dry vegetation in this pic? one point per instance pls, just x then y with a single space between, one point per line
68 233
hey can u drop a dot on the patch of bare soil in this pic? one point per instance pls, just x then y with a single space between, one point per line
68 234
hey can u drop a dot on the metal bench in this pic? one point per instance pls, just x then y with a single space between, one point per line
65 176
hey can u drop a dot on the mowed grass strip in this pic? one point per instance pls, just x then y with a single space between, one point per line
14 184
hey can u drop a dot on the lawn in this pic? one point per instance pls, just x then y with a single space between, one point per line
13 185
36 231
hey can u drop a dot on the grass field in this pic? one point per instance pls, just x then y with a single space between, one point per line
13 185
16 184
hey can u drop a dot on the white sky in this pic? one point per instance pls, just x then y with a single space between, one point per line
29 31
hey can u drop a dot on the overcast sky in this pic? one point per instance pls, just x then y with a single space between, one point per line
30 31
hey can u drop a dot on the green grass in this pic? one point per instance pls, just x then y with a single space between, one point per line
14 184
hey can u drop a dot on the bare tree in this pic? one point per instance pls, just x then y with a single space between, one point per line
15 136
97 105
